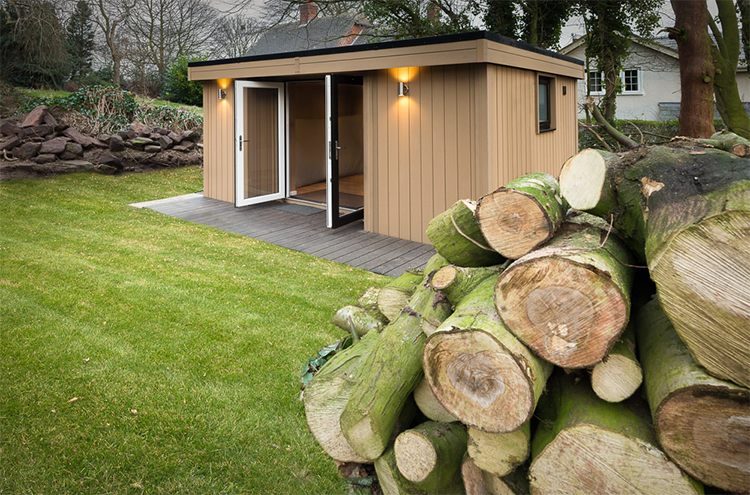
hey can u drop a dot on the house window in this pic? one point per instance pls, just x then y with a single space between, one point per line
596 84
546 104
631 81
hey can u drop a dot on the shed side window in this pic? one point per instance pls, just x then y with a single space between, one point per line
545 103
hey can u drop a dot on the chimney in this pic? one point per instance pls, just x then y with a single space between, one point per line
307 12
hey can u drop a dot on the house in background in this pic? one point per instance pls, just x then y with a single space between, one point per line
650 80
392 132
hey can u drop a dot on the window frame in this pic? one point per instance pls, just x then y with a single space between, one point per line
639 81
601 83
550 124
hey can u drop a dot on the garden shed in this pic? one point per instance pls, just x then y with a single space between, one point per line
391 132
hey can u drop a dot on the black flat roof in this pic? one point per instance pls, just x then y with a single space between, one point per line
431 40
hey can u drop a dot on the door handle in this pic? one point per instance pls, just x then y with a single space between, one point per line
243 141
337 148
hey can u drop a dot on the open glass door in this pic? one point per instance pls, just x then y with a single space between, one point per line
260 163
344 138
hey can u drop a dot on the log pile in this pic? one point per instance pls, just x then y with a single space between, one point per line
583 336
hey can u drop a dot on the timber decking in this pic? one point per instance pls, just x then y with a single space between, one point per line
300 229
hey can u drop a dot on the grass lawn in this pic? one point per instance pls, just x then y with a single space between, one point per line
145 354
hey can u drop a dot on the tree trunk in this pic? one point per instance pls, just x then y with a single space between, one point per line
457 282
359 319
586 182
327 394
696 68
521 215
701 422
392 482
389 375
692 227
456 236
430 455
393 297
619 375
429 405
569 301
479 482
479 371
729 141
586 445
499 453
605 123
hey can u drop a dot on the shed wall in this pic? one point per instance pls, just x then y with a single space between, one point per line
218 141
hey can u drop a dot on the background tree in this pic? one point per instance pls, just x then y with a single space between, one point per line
417 18
80 38
743 9
110 16
537 22
234 36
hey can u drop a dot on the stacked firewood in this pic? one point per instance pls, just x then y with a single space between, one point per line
530 355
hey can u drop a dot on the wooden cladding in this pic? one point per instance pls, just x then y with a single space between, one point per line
218 141
461 132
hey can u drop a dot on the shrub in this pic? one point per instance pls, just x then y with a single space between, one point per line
177 88
641 131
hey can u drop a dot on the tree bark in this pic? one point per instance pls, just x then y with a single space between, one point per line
429 405
369 298
521 215
569 301
392 482
688 212
359 319
430 454
457 237
729 141
457 282
586 445
393 297
390 374
499 453
479 371
604 122
701 422
619 374
586 182
696 68
479 482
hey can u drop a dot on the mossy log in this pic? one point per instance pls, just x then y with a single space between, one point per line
586 181
360 319
619 374
702 423
327 394
479 482
429 405
479 371
522 215
586 445
430 454
569 301
369 298
730 142
457 237
393 297
689 211
389 375
392 482
499 453
436 313
457 282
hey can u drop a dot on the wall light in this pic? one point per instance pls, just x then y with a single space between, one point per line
222 94
403 89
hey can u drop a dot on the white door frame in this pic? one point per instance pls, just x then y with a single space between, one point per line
240 142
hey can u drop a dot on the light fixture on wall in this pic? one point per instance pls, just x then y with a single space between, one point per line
403 89
222 94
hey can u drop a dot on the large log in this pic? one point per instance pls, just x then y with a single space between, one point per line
479 371
479 482
429 405
327 394
499 453
360 319
729 141
457 237
569 301
586 181
619 374
430 454
702 423
586 445
692 212
389 375
393 297
522 215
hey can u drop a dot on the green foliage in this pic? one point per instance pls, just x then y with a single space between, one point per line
540 22
324 355
641 131
12 99
80 39
402 19
168 117
177 88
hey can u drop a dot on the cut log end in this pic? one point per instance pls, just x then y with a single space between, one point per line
444 277
616 378
513 223
565 311
415 456
712 441
582 179
499 453
590 459
364 439
478 381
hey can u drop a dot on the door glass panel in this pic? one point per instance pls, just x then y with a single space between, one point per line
351 142
261 142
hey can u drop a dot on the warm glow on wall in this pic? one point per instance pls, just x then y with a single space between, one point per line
224 83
